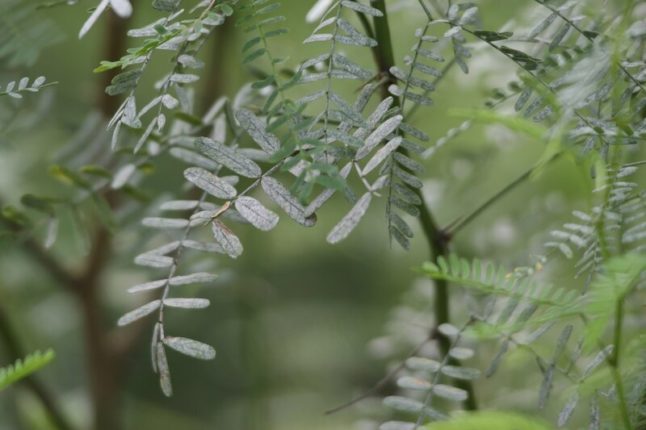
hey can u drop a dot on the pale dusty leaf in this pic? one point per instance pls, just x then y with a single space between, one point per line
153 345
381 155
412 383
227 239
122 176
287 202
193 278
164 223
210 183
152 285
257 130
458 372
190 347
350 220
153 260
228 157
450 393
123 8
93 17
190 303
138 313
254 212
164 371
382 132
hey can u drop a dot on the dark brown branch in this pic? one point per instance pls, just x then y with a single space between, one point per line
215 77
104 370
437 239
114 47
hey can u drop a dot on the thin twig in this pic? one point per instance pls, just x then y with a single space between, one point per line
382 382
457 225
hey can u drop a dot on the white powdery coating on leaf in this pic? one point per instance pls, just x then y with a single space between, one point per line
257 130
190 347
210 183
283 198
350 220
164 371
227 239
187 303
254 212
123 8
318 10
138 313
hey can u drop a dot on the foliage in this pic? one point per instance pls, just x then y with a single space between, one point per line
305 130
488 420
23 368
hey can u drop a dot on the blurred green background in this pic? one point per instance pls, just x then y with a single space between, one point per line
292 320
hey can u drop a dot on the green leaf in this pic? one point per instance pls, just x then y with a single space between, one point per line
25 367
489 420
493 36
38 203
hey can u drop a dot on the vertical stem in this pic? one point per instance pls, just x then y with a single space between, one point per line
103 367
384 54
436 237
103 374
113 48
614 364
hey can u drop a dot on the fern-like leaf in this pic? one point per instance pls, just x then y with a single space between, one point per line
23 368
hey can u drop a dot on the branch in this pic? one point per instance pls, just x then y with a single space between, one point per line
613 362
435 236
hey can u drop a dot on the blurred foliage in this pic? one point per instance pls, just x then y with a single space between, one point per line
298 324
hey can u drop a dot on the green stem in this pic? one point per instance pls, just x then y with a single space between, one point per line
614 365
435 236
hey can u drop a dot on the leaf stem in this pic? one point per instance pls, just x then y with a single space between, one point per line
457 225
613 361
588 36
435 236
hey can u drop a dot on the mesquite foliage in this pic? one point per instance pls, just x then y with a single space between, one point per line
306 130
